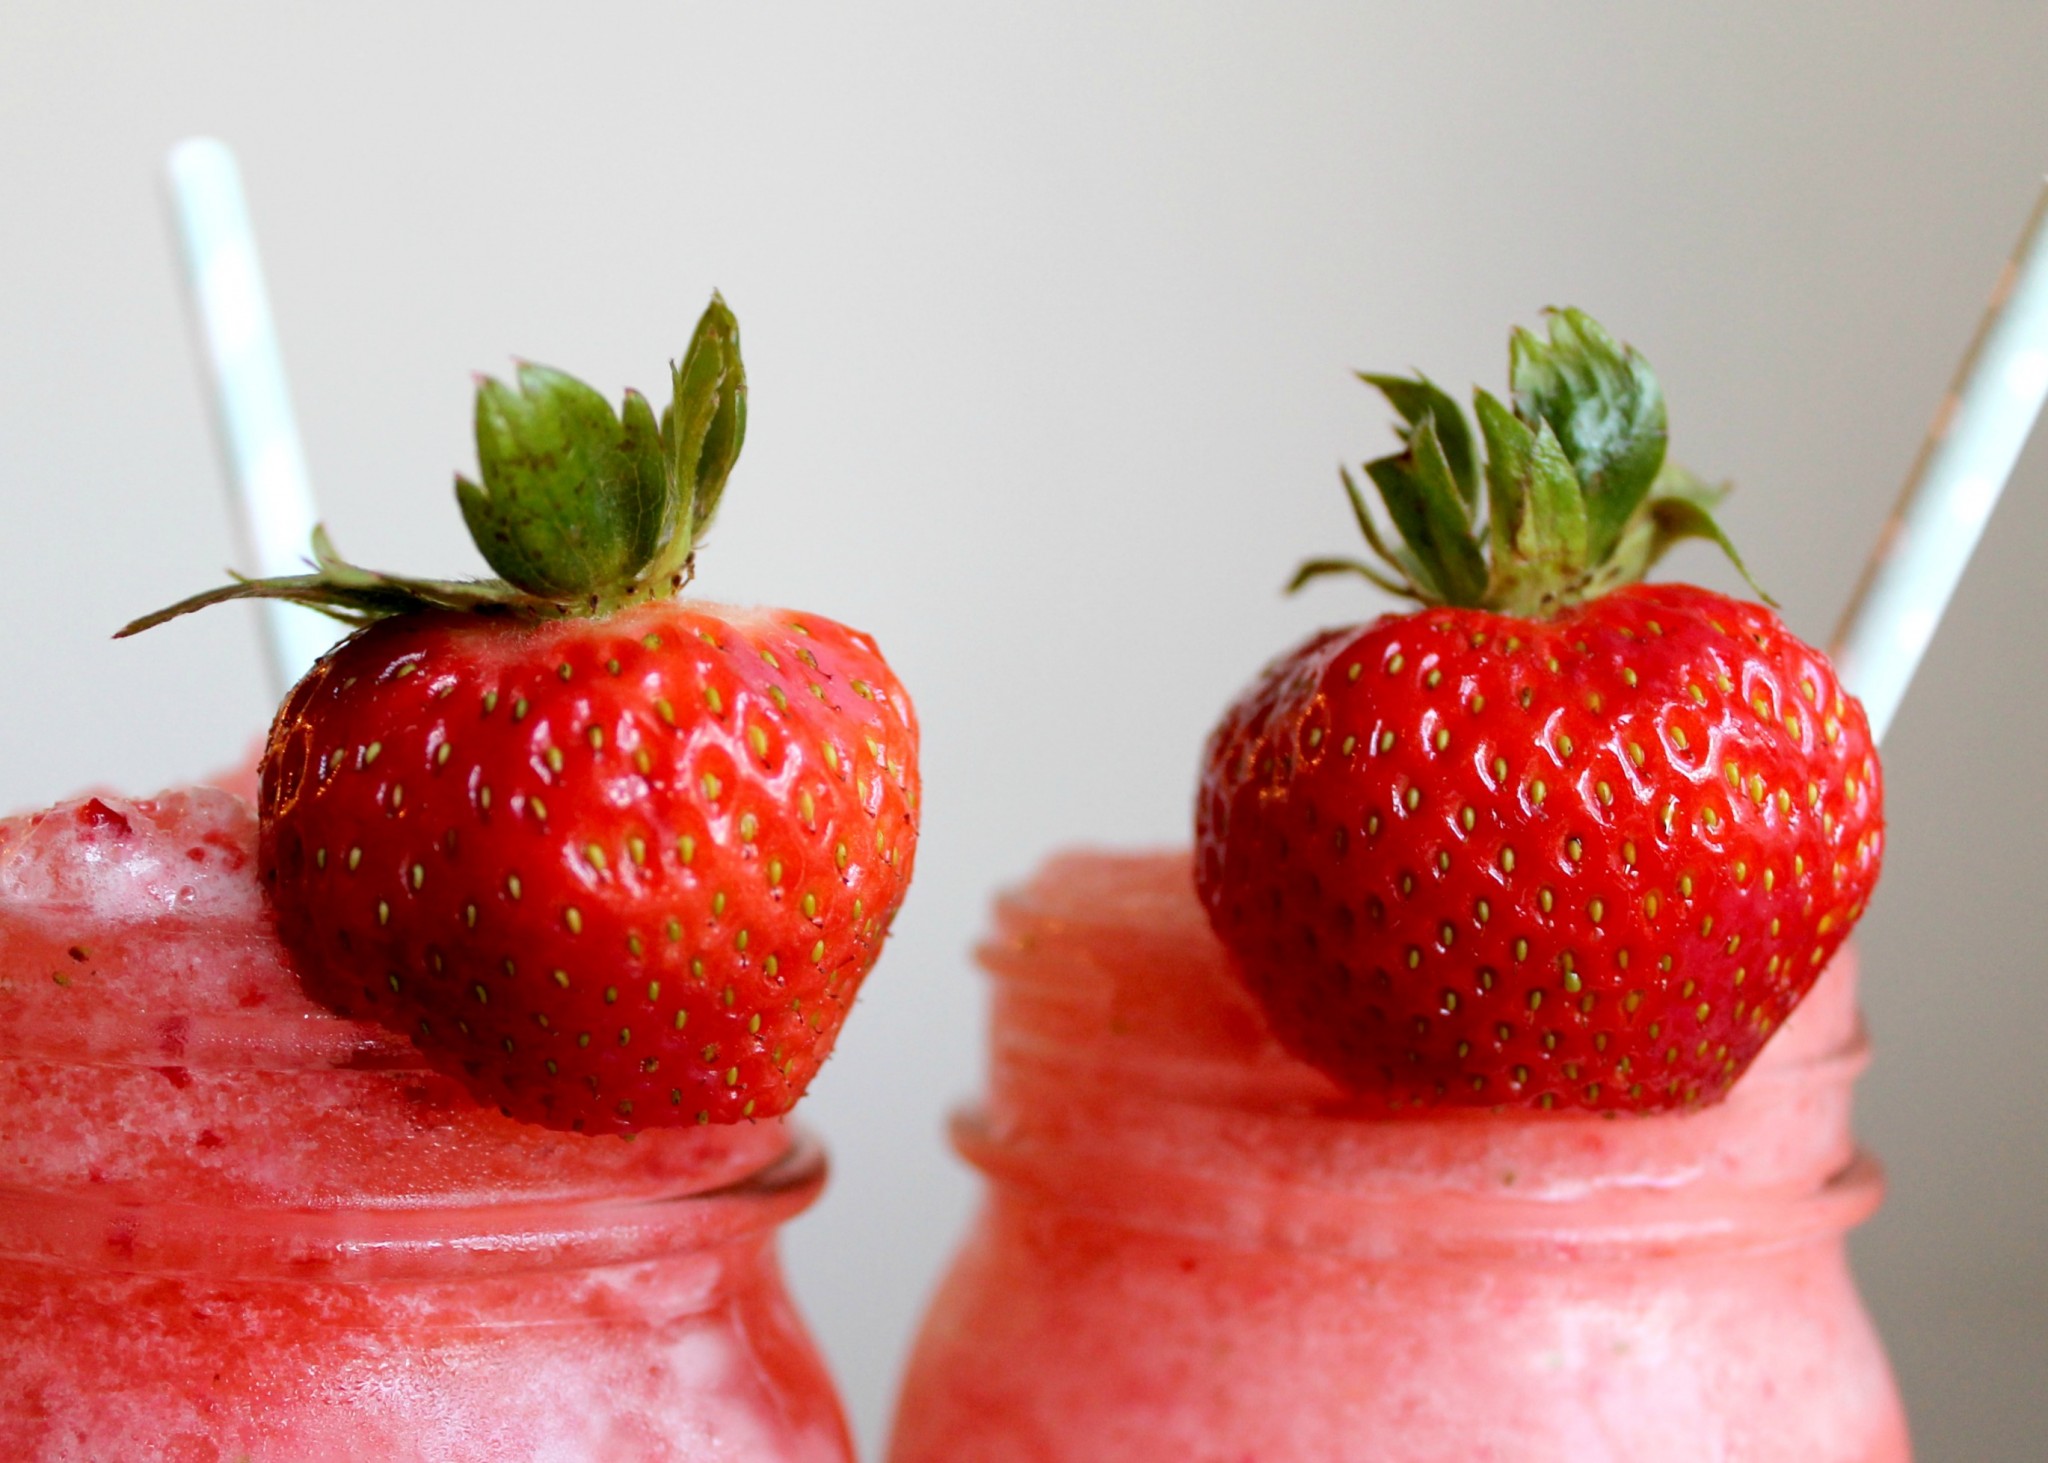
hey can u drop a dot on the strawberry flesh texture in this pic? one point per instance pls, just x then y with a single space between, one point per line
613 873
1423 924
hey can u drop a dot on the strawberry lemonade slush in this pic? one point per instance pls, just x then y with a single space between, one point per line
235 1225
432 1111
1194 1248
1406 1118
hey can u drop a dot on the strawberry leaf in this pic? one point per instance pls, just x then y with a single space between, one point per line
1422 498
702 430
718 332
346 592
1319 568
1417 398
1397 558
1606 408
571 498
1537 514
1680 507
640 447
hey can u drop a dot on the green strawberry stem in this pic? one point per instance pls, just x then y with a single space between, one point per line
1577 497
580 510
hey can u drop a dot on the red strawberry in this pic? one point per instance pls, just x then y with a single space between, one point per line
616 859
1552 841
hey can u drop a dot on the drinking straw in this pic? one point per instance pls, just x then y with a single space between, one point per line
272 498
1963 465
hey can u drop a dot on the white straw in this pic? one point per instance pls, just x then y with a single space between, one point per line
1969 453
273 501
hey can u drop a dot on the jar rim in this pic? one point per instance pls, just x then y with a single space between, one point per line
1613 1222
344 1245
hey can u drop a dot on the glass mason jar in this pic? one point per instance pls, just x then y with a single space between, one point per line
1188 1249
235 1226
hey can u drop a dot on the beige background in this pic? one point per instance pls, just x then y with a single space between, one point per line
1048 312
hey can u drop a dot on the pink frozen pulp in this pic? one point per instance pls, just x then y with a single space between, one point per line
1191 1249
234 1225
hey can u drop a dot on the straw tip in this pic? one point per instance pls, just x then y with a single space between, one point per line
202 168
199 152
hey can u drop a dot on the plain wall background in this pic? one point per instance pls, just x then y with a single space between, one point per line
1049 310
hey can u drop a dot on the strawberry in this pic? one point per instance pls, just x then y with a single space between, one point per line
616 859
1557 838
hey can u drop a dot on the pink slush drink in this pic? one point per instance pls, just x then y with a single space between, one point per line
1192 1250
236 1226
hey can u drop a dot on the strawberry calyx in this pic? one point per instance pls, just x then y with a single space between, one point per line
581 510
1573 498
